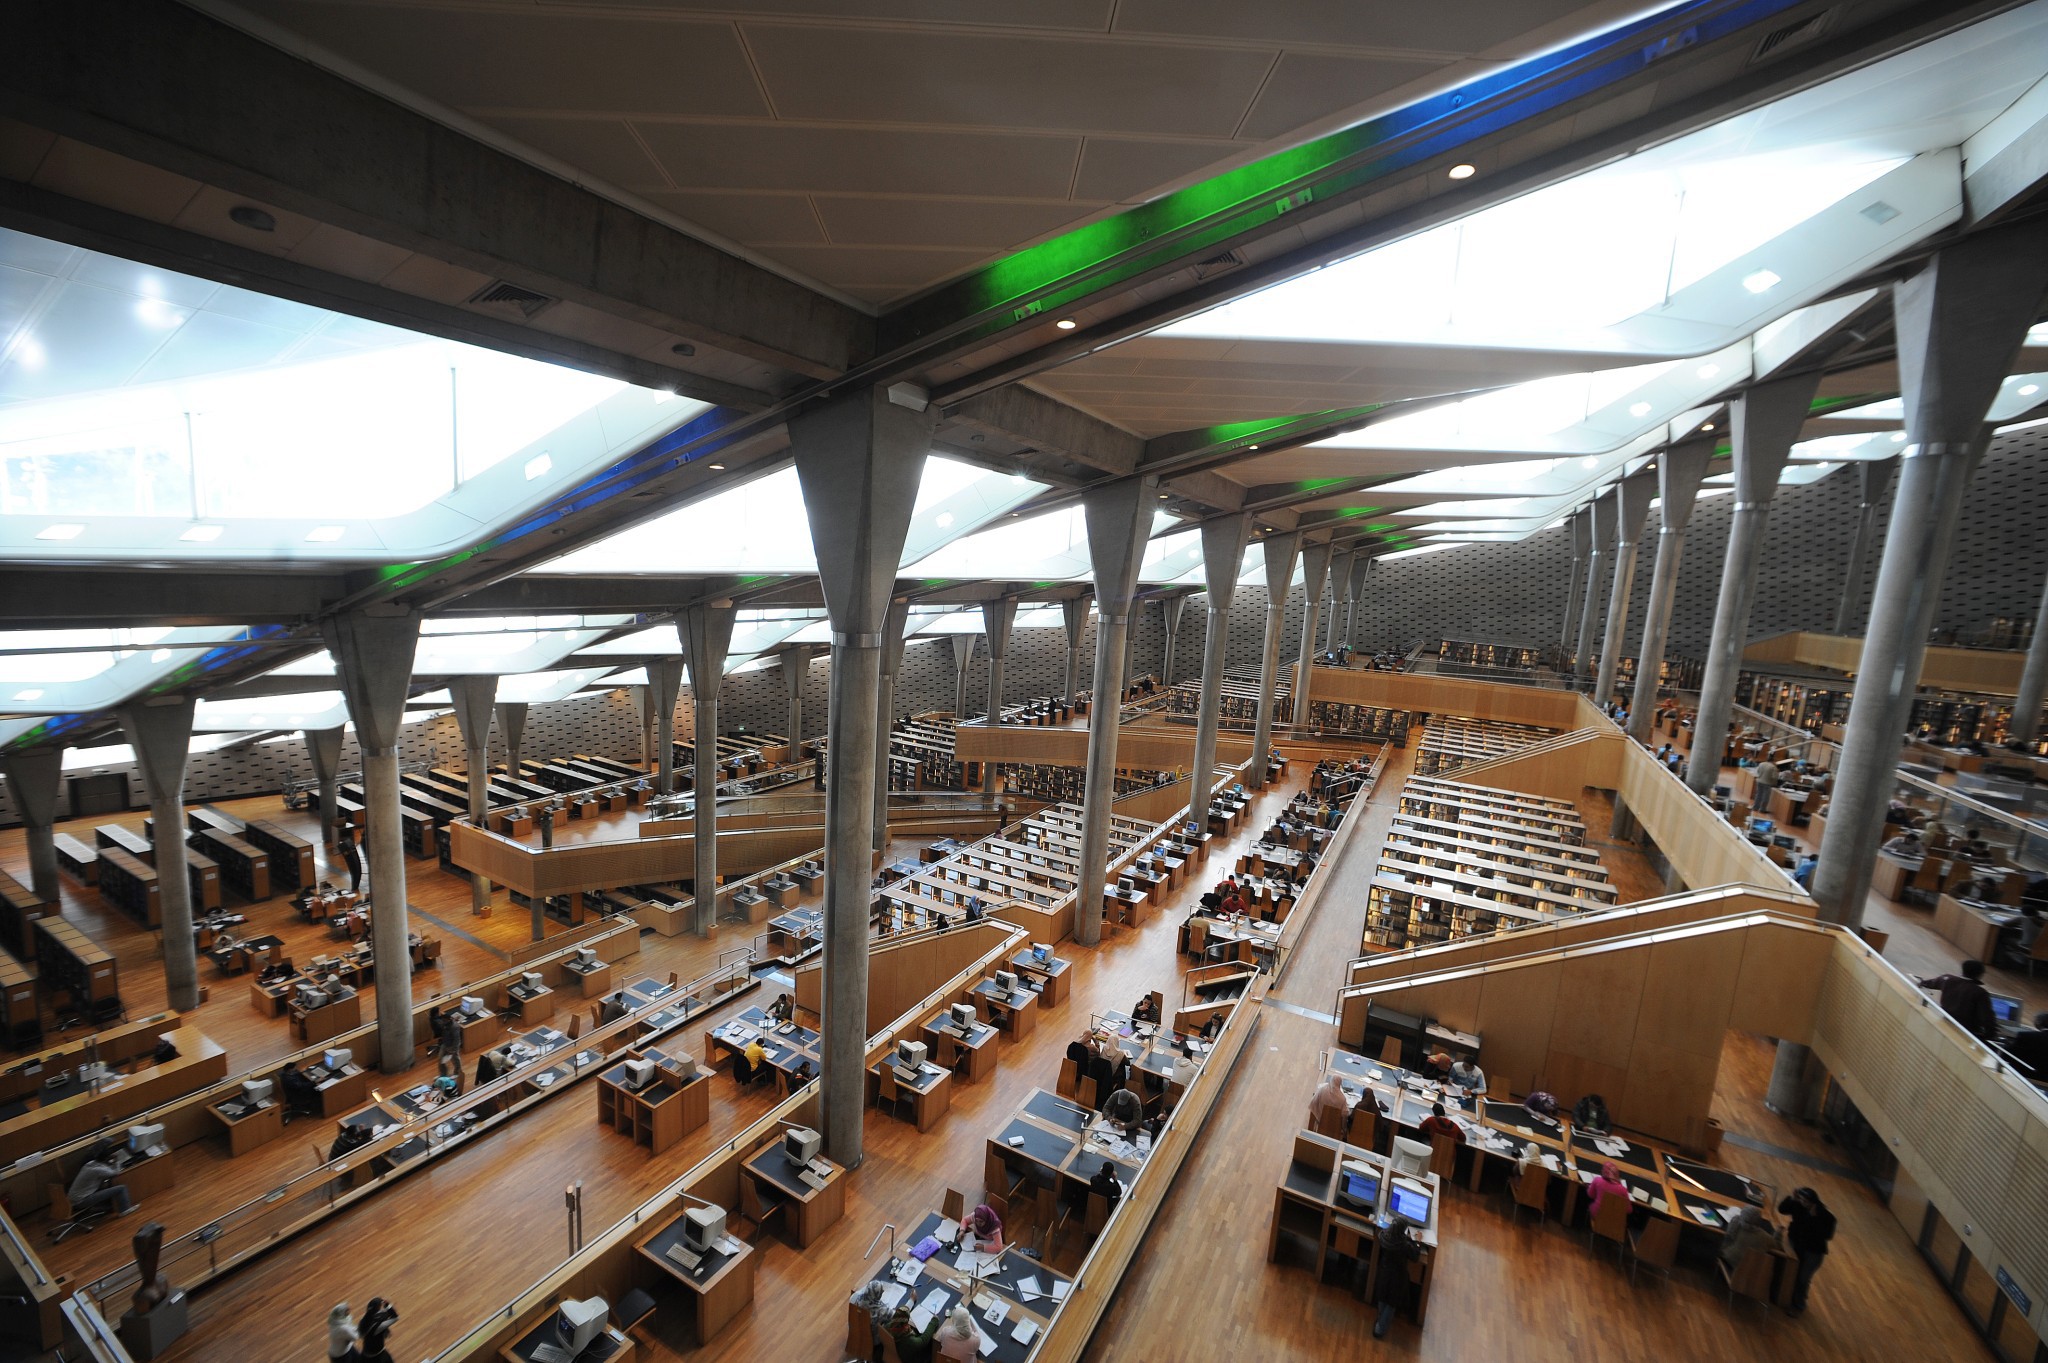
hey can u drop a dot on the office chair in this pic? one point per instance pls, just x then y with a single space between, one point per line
1410 1157
68 1219
1532 1190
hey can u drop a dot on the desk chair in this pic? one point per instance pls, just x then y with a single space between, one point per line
1611 1223
66 1218
889 1096
760 1207
1365 1127
1443 1157
1097 1218
1390 1052
1198 939
1411 1157
1532 1190
1751 1276
1655 1243
1069 1083
1329 1123
954 1206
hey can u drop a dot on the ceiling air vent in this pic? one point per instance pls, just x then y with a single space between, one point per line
1792 35
1216 265
500 294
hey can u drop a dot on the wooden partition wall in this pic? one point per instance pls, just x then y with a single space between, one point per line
1141 746
1639 1020
1979 671
902 972
1427 691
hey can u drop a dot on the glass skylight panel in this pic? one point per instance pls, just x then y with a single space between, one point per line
113 666
505 652
303 710
964 620
2016 394
760 526
1049 547
542 688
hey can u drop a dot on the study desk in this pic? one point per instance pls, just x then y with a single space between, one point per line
200 1063
978 1047
1311 1199
609 1347
532 1005
1973 927
1050 975
272 997
479 1030
717 1289
594 980
789 1045
1893 874
249 1127
670 1106
1051 1140
1124 906
1016 1013
1028 1291
145 1175
340 1090
314 1025
813 1208
929 1090
642 992
795 934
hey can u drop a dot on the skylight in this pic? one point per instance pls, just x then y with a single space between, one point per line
1049 547
96 669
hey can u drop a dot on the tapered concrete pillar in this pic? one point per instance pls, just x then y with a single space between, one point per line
1315 565
1632 509
1280 551
1172 610
1604 509
894 624
475 697
1764 422
795 662
643 706
1223 542
1874 480
996 619
1074 615
664 685
859 458
2026 705
1960 322
373 655
1680 470
323 750
1119 524
1361 569
512 728
1582 545
1340 598
706 632
963 662
34 778
160 731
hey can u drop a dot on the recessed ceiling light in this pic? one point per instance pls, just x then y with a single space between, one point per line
64 530
1462 171
154 312
539 464
29 352
1707 426
716 468
944 518
683 348
1589 462
203 534
1639 409
1707 371
326 534
2028 390
253 218
1251 447
1066 324
30 694
1761 281
1163 496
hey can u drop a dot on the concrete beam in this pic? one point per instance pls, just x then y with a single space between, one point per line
2006 163
116 597
1047 424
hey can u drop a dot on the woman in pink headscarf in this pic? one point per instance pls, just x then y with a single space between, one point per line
1607 1185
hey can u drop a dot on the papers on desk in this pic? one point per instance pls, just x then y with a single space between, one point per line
892 1294
1026 1331
909 1271
1059 1289
1030 1289
541 1081
996 1312
934 1302
949 1230
974 1261
927 1067
1710 1217
1638 1195
988 1346
1614 1147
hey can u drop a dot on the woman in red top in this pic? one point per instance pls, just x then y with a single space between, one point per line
1607 1185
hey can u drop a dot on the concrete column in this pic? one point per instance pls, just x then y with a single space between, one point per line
1074 615
1119 524
512 728
1604 509
1679 472
859 458
664 685
1874 479
1223 542
474 699
2026 705
1764 421
160 731
643 705
1361 568
1960 322
897 620
34 778
373 654
1315 565
1632 496
706 633
795 662
963 660
996 619
1172 610
1582 545
1280 551
1340 597
323 749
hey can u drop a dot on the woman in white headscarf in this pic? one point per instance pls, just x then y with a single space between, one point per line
958 1338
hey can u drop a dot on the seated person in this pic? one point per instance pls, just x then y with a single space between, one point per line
983 1229
1330 1101
94 1188
1607 1185
783 1009
1213 1027
1145 1010
347 1139
1907 844
1591 1114
2030 1047
1124 1110
1974 846
1438 1124
1467 1075
1437 1066
301 1094
613 1008
912 1344
1749 1230
1107 1183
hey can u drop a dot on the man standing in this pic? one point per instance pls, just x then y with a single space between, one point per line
1964 998
352 857
1811 1226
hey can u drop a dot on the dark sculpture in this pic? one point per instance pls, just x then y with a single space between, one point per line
149 1248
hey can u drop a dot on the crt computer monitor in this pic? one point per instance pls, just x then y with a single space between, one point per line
2006 1008
337 1059
1411 1204
256 1091
579 1323
1360 1189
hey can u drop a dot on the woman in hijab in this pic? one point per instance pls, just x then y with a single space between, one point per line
986 1228
1329 1103
958 1339
341 1335
912 1344
1608 1185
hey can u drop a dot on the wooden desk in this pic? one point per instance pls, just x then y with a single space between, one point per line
200 1063
341 1090
148 1176
1009 1278
1015 1013
480 1031
609 1347
812 1210
1308 1200
532 1007
1056 1141
1971 928
715 1291
594 982
1893 874
979 1048
253 1128
314 1025
660 1114
930 1094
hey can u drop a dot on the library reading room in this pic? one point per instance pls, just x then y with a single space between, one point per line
1143 681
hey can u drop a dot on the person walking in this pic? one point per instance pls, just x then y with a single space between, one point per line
352 857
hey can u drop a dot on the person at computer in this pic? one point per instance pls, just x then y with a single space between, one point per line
1125 1111
1390 1286
1802 874
1437 1123
1809 1226
983 1229
301 1094
1964 998
1467 1075
1974 847
959 1339
1590 1114
1329 1104
1749 1230
783 1009
1607 1183
93 1187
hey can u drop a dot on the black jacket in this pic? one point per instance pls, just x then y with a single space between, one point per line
1808 1232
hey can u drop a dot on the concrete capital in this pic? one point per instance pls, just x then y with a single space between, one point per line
1223 542
1960 321
373 656
35 777
512 725
997 618
1765 422
795 662
475 700
1604 511
706 634
161 734
894 625
1119 517
1582 532
1074 615
1633 495
963 651
1874 480
1280 551
1680 470
859 459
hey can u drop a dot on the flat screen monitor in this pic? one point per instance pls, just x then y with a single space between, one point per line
1411 1204
1361 1190
1783 840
